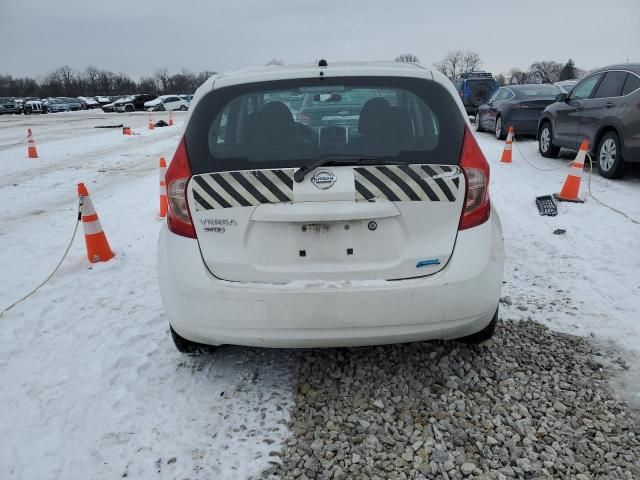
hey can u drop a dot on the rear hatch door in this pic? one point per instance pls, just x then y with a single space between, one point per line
358 223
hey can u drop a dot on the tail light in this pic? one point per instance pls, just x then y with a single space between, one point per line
177 178
476 171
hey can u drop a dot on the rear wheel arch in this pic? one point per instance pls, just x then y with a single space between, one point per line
601 132
617 168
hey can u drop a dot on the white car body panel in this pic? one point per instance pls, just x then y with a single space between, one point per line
459 300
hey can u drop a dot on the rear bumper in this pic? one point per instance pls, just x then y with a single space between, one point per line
523 126
459 300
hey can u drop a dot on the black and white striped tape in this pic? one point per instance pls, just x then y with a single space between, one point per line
407 183
242 189
397 183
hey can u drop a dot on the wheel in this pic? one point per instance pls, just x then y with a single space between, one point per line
161 108
477 122
183 108
187 346
610 162
500 135
545 142
483 335
129 108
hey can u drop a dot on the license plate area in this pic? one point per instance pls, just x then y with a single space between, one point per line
330 241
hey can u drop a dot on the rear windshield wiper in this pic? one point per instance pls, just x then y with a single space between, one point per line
337 159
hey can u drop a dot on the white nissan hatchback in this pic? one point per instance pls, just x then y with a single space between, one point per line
329 205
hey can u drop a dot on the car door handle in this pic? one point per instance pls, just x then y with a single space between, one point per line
608 104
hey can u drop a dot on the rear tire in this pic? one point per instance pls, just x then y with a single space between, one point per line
183 108
477 122
187 346
545 142
500 135
129 108
483 335
610 162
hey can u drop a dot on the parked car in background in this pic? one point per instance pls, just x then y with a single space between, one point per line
56 105
133 102
8 105
110 107
89 103
603 108
187 98
475 88
565 86
33 105
74 104
264 214
340 107
102 100
517 106
166 102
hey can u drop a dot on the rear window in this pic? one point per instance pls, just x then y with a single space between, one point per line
611 85
290 123
537 91
631 84
489 82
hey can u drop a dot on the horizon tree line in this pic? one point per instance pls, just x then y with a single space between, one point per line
93 81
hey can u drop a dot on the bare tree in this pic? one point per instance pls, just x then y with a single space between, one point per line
91 75
274 61
517 77
546 71
501 79
407 58
451 64
162 79
470 61
457 62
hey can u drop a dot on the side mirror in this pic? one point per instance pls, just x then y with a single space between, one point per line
562 97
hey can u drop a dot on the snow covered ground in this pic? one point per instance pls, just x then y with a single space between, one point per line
92 386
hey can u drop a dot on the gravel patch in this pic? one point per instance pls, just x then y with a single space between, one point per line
531 403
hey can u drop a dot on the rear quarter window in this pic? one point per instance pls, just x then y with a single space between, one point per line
289 123
631 84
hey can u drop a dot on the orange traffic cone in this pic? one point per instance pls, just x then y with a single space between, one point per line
150 123
571 187
170 118
508 145
31 145
98 249
162 171
126 131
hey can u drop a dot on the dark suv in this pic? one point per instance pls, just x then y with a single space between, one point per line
604 108
133 103
475 89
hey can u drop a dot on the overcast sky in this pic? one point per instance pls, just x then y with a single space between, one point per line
138 36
